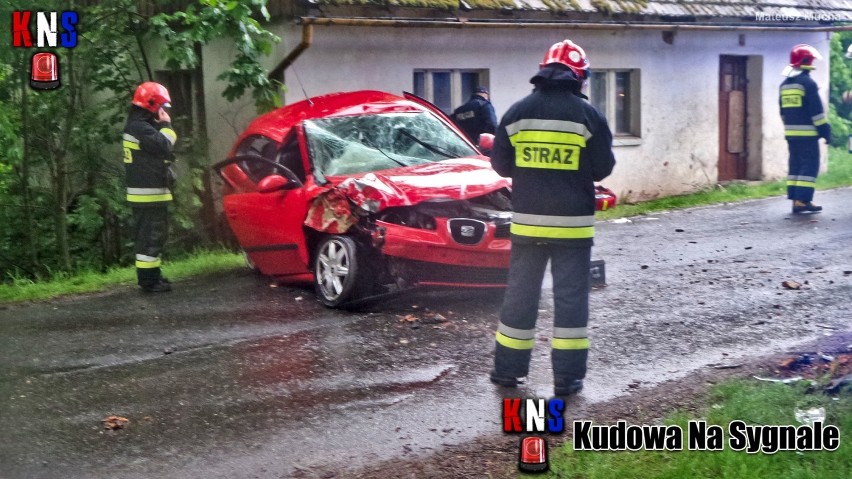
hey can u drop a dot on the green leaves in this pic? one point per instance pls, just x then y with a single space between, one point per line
210 20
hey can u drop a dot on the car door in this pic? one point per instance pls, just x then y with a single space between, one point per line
268 223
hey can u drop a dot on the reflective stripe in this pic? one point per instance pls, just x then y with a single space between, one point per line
801 178
801 184
148 262
800 130
549 125
169 134
515 333
513 343
558 343
147 191
149 198
546 220
552 231
819 117
564 333
128 137
793 89
131 145
800 133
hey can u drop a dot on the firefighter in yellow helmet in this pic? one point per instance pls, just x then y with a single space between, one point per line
148 143
554 145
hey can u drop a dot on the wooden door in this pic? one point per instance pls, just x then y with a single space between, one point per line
733 151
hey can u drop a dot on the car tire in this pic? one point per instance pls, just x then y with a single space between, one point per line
337 271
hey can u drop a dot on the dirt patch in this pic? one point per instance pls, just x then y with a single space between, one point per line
496 457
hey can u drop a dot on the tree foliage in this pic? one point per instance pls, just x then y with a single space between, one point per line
840 110
61 176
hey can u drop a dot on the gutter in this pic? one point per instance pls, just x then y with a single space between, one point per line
468 23
307 38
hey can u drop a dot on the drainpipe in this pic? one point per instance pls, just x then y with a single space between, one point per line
307 37
457 23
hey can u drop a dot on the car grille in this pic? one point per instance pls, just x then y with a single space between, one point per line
466 231
503 231
426 272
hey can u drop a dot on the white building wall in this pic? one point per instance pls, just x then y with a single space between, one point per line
678 150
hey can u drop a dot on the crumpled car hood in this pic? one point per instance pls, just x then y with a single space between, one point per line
452 179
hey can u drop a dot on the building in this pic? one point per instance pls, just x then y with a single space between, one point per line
690 87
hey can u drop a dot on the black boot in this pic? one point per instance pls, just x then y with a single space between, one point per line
158 287
567 387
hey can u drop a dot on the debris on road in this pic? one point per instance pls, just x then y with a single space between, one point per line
840 385
809 416
115 422
791 285
782 381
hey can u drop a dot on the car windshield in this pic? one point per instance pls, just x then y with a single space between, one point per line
360 144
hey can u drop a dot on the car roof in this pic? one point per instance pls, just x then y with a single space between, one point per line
277 123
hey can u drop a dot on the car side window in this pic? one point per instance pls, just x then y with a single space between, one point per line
291 156
257 146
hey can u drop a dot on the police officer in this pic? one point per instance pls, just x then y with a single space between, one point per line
805 123
148 143
477 115
554 145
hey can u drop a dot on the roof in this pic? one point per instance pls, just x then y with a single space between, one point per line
776 11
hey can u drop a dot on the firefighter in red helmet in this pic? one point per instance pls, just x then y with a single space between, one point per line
554 145
148 143
805 122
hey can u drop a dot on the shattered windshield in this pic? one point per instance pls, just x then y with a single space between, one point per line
360 144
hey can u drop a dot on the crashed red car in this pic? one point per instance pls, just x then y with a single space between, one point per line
366 193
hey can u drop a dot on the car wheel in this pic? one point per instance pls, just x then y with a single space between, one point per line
336 270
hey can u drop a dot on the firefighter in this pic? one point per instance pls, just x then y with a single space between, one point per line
477 115
554 145
805 123
148 143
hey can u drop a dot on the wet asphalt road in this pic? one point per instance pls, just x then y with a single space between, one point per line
229 377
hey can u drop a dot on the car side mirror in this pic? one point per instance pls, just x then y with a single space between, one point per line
273 183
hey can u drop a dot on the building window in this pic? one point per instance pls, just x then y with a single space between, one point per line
615 93
447 89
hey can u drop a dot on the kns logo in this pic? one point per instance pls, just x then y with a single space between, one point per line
46 28
533 415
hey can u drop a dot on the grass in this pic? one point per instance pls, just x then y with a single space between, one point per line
203 262
755 403
839 174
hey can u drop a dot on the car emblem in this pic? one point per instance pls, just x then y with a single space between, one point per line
467 231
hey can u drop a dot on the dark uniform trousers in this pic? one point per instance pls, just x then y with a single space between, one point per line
570 345
803 169
151 229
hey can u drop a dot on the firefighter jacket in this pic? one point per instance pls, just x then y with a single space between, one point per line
475 117
801 109
147 159
554 145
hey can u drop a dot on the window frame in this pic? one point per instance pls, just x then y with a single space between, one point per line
634 130
457 94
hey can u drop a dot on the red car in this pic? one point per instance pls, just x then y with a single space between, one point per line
365 193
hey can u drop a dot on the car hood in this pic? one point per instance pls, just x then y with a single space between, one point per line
452 179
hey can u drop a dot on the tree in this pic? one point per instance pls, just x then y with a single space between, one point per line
60 149
840 108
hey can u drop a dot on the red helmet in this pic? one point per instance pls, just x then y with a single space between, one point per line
570 55
802 56
151 96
